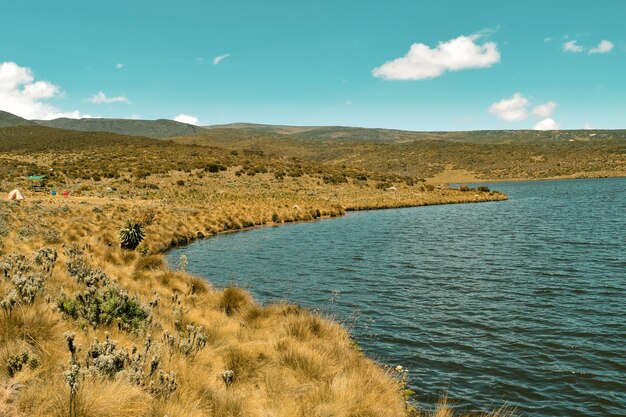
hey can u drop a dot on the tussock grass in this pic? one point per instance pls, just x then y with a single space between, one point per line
234 300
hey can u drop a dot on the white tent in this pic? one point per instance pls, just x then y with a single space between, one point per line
16 195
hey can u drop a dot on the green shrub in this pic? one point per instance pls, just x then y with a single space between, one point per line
131 234
334 179
15 363
51 236
104 306
213 167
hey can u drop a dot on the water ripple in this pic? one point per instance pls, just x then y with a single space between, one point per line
518 302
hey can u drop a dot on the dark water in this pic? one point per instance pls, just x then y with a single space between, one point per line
520 302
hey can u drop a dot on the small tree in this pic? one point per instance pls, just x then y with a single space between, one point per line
131 235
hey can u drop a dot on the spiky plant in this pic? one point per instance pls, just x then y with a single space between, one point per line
131 234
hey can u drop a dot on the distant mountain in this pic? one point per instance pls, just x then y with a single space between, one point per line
9 120
378 135
157 129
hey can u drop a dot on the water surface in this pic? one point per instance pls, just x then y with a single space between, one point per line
520 302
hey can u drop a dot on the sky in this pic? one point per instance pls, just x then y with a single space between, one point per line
414 65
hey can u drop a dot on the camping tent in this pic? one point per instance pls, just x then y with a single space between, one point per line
16 195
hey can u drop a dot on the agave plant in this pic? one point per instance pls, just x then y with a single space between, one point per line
131 234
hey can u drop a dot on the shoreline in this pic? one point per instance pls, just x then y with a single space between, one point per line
344 210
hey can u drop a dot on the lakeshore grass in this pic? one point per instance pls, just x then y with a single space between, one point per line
88 328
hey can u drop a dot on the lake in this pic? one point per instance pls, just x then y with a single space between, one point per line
520 302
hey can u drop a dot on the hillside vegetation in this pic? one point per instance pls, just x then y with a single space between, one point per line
8 120
94 323
448 157
159 129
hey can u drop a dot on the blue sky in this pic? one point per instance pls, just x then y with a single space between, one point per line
481 65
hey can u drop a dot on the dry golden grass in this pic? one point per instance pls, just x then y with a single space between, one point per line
286 361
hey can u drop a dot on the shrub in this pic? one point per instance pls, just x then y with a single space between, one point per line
464 188
131 235
214 167
104 306
4 228
483 189
51 236
334 179
15 363
180 183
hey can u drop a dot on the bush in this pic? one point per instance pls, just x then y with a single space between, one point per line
51 236
335 179
131 235
104 306
15 363
180 183
483 189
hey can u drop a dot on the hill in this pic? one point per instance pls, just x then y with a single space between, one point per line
360 134
157 129
443 156
9 119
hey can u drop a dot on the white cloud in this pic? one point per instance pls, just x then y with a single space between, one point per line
422 62
588 126
119 66
220 58
546 124
20 94
544 110
510 109
101 98
572 46
604 47
186 118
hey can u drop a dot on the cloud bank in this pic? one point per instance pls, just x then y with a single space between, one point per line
20 94
423 62
516 108
546 124
186 118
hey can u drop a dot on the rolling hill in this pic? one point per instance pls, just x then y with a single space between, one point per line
445 156
439 156
9 120
158 129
